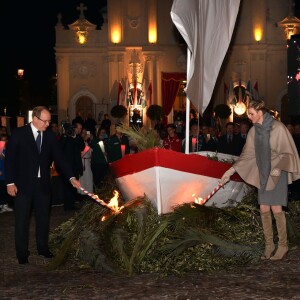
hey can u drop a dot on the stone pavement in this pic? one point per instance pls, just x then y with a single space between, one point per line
266 280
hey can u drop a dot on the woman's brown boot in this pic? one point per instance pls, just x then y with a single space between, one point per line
282 248
266 220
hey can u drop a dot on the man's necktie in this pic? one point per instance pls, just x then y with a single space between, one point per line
38 140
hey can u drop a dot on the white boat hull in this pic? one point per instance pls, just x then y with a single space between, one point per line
170 178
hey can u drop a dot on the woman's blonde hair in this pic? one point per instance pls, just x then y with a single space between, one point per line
260 105
257 105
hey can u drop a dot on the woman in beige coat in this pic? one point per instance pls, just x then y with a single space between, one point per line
269 161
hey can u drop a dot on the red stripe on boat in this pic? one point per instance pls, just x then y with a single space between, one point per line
158 157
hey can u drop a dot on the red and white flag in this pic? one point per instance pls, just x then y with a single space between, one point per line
120 89
150 92
226 90
255 91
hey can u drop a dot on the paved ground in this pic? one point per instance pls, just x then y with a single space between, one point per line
265 280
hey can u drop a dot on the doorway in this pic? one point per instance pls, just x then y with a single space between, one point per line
84 107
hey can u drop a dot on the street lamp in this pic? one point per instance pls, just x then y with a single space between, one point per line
20 73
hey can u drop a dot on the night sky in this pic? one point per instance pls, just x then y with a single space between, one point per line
29 39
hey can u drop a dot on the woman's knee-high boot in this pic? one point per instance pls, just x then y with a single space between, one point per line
282 248
266 219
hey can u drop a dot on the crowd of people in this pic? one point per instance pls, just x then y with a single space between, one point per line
89 147
204 137
85 149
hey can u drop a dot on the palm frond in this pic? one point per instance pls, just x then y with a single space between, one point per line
151 238
144 138
293 233
62 254
141 215
118 243
192 237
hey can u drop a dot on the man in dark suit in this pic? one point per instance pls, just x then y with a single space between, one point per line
72 144
230 143
30 152
244 131
114 145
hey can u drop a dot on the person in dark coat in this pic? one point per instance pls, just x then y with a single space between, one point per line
210 141
90 124
30 152
230 143
78 119
106 123
99 162
72 144
114 146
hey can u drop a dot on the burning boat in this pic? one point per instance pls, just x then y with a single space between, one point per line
170 178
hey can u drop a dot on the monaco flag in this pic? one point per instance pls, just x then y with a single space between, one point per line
255 91
120 89
150 93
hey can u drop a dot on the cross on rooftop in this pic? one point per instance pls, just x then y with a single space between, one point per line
81 8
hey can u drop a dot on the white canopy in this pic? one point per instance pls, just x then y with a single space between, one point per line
206 26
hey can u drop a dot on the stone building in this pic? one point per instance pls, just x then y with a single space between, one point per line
137 48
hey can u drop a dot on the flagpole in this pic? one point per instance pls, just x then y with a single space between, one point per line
187 109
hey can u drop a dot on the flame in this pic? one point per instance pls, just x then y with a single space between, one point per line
198 200
114 203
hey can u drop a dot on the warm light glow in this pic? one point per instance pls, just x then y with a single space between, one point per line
152 22
152 35
102 147
290 25
194 142
240 108
258 34
116 36
29 118
81 36
289 31
20 72
123 147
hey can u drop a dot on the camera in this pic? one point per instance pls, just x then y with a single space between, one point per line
69 129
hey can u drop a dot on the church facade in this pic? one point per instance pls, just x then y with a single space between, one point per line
127 60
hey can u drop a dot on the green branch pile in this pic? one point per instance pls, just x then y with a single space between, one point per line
137 240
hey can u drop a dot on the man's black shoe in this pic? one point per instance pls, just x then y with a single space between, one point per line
46 254
23 260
